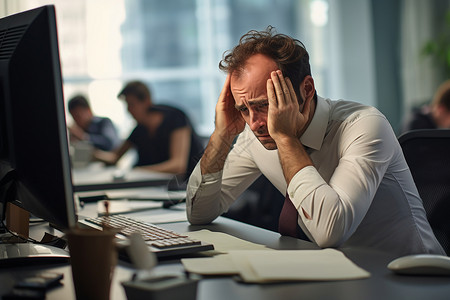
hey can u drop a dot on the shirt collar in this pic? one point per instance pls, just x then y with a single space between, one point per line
315 133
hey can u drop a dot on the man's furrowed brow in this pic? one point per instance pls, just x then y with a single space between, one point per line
239 107
257 102
254 102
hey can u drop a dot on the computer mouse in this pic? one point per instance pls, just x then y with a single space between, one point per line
421 264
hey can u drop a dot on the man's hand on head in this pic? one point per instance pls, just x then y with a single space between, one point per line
284 117
228 122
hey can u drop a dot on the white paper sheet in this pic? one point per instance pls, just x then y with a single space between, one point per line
296 265
261 266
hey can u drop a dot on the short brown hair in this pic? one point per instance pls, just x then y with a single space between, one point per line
78 101
288 53
137 89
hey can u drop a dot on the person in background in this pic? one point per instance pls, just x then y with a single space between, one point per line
163 137
433 115
339 163
98 131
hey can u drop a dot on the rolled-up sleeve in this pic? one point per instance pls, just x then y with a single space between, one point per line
210 195
331 211
203 191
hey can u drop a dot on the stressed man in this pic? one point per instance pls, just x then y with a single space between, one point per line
338 163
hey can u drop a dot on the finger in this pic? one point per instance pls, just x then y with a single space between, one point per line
278 89
271 93
226 100
284 87
226 87
291 91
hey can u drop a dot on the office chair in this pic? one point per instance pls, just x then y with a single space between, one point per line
427 152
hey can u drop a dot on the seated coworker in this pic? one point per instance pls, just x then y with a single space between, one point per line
433 115
99 131
163 137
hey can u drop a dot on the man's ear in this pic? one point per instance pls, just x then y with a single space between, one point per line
307 88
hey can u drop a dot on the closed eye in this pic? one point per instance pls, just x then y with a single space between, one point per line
243 110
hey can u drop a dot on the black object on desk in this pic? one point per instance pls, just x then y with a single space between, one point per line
34 287
162 288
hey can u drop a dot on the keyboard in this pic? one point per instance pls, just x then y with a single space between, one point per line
161 241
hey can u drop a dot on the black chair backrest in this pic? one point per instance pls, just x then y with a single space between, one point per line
427 152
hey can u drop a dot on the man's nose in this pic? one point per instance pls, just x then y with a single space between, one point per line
257 120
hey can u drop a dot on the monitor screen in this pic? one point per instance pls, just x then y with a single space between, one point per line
34 157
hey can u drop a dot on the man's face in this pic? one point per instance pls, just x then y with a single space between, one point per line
249 91
82 116
137 109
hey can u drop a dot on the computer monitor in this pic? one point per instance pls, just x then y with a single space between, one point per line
35 169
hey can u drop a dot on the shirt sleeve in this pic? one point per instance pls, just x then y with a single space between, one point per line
336 208
106 138
210 195
178 119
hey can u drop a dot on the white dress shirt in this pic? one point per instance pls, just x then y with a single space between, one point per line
359 192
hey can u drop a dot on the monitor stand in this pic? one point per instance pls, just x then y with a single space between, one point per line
22 254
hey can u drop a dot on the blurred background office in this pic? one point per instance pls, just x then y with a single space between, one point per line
370 51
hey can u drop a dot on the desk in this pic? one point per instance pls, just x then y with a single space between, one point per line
98 177
381 285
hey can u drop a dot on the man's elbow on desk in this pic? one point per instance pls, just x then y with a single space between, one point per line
199 219
199 216
328 233
328 242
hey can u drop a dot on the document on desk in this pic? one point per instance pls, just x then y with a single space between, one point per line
263 266
224 243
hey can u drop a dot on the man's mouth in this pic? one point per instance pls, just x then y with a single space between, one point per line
264 136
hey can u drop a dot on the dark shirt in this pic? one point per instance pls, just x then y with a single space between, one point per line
103 134
420 118
155 148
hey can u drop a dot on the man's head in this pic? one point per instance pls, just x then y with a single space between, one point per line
289 55
250 64
138 98
80 111
441 105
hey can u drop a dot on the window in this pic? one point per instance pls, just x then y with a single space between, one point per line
173 45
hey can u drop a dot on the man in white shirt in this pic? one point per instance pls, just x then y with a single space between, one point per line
338 162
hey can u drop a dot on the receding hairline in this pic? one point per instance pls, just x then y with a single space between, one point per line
238 72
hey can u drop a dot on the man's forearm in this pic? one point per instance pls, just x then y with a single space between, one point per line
293 157
216 153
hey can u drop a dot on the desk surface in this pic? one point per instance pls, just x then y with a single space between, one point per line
96 177
381 285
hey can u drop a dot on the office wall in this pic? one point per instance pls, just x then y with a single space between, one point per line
352 76
386 35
